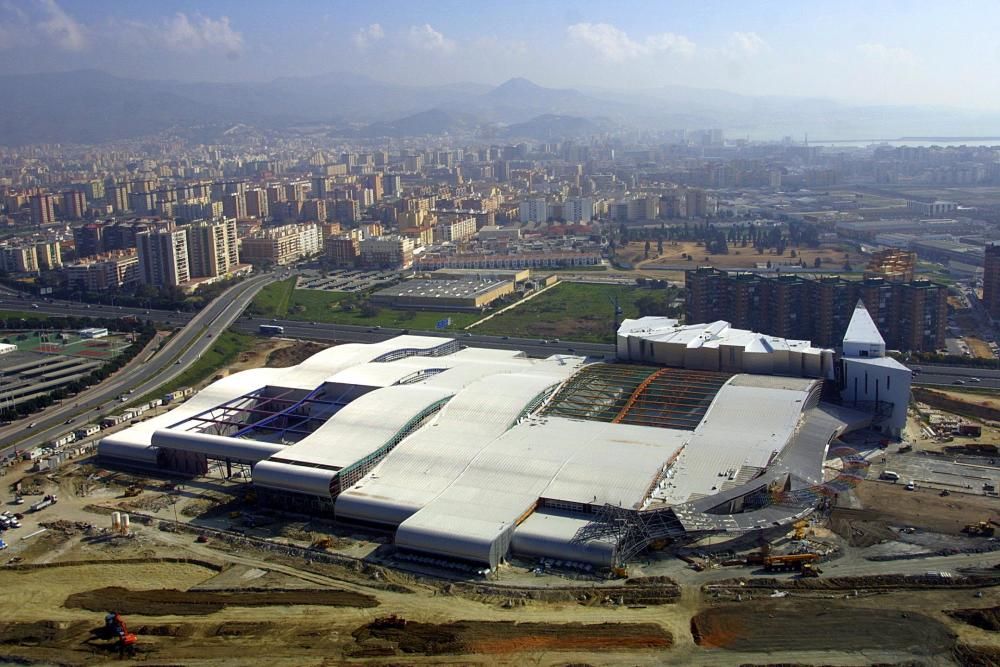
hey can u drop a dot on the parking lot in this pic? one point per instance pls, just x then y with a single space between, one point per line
941 473
345 280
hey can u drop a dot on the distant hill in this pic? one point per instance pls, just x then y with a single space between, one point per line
90 106
430 122
554 127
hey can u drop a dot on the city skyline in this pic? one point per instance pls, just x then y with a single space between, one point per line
887 53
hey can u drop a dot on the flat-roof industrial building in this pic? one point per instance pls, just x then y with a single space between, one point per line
477 454
440 294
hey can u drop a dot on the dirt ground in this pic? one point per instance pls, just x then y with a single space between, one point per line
450 623
987 618
738 258
770 626
504 637
168 601
289 353
924 508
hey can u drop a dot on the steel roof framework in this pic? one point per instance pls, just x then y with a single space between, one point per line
672 398
285 416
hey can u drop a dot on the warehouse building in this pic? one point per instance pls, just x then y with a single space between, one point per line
464 294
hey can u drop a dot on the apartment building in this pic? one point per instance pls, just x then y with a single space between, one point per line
163 257
213 248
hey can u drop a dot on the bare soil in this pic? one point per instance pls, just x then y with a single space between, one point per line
860 529
987 618
924 508
774 626
163 602
738 257
975 655
292 354
462 637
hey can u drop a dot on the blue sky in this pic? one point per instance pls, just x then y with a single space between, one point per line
879 52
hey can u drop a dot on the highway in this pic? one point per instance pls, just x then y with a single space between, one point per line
183 349
933 375
76 309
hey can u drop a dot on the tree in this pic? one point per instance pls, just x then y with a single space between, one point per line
817 263
369 309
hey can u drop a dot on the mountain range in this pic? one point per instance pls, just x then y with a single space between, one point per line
91 106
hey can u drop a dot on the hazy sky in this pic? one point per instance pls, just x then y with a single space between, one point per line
927 52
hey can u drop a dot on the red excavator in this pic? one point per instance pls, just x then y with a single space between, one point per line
116 630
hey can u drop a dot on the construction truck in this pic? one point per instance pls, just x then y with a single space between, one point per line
789 562
133 491
981 529
809 570
115 629
800 529
44 502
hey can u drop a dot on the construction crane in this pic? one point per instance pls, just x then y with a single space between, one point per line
115 629
789 561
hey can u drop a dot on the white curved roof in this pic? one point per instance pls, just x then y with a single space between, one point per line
308 375
363 425
426 463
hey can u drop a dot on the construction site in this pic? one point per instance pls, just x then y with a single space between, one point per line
418 502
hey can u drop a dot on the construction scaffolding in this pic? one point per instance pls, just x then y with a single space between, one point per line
893 264
633 530
673 398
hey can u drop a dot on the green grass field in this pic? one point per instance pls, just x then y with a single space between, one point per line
226 349
23 315
272 300
279 300
570 311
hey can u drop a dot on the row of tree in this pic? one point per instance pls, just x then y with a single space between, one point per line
145 332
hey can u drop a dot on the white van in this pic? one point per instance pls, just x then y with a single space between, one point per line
889 476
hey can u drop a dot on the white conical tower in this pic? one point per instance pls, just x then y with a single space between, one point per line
862 339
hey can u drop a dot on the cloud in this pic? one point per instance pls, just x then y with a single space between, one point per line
615 45
44 23
62 29
887 55
201 33
367 35
742 44
426 38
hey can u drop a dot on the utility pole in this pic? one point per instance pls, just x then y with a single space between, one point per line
616 319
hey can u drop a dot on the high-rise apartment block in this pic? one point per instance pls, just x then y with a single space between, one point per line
234 206
163 257
455 229
282 245
912 315
17 258
48 254
74 204
533 210
578 209
256 204
991 281
346 210
212 248
104 272
387 252
89 239
43 209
